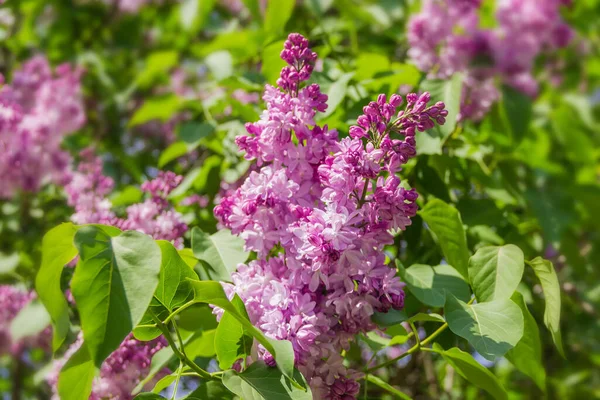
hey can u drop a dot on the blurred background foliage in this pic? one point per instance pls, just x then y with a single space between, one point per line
171 85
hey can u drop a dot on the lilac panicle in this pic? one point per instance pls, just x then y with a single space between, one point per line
318 211
445 38
38 109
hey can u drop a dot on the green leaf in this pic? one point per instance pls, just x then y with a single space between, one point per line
158 65
277 15
444 220
495 272
212 293
492 328
448 91
517 108
76 377
174 288
202 344
390 318
336 93
254 7
30 321
386 386
127 196
148 396
164 383
527 354
220 64
173 152
430 284
472 371
231 340
211 390
272 62
421 317
259 382
57 250
398 333
113 285
221 251
547 276
156 108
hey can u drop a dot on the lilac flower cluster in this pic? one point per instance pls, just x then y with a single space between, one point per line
318 212
87 193
37 110
120 373
445 38
12 301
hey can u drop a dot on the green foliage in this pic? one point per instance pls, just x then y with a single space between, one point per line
431 284
544 270
495 272
57 250
492 328
473 372
221 252
113 285
261 382
444 220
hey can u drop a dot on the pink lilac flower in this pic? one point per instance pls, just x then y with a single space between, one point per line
37 110
88 190
445 38
120 373
318 211
12 301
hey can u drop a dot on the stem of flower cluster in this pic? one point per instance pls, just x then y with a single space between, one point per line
181 355
418 346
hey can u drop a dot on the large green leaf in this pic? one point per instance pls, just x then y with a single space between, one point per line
430 284
76 377
527 354
472 371
277 15
492 328
495 271
547 276
444 220
221 251
231 340
212 293
113 285
57 250
259 382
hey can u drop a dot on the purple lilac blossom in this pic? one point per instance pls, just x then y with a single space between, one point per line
330 206
445 38
37 110
120 373
88 190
